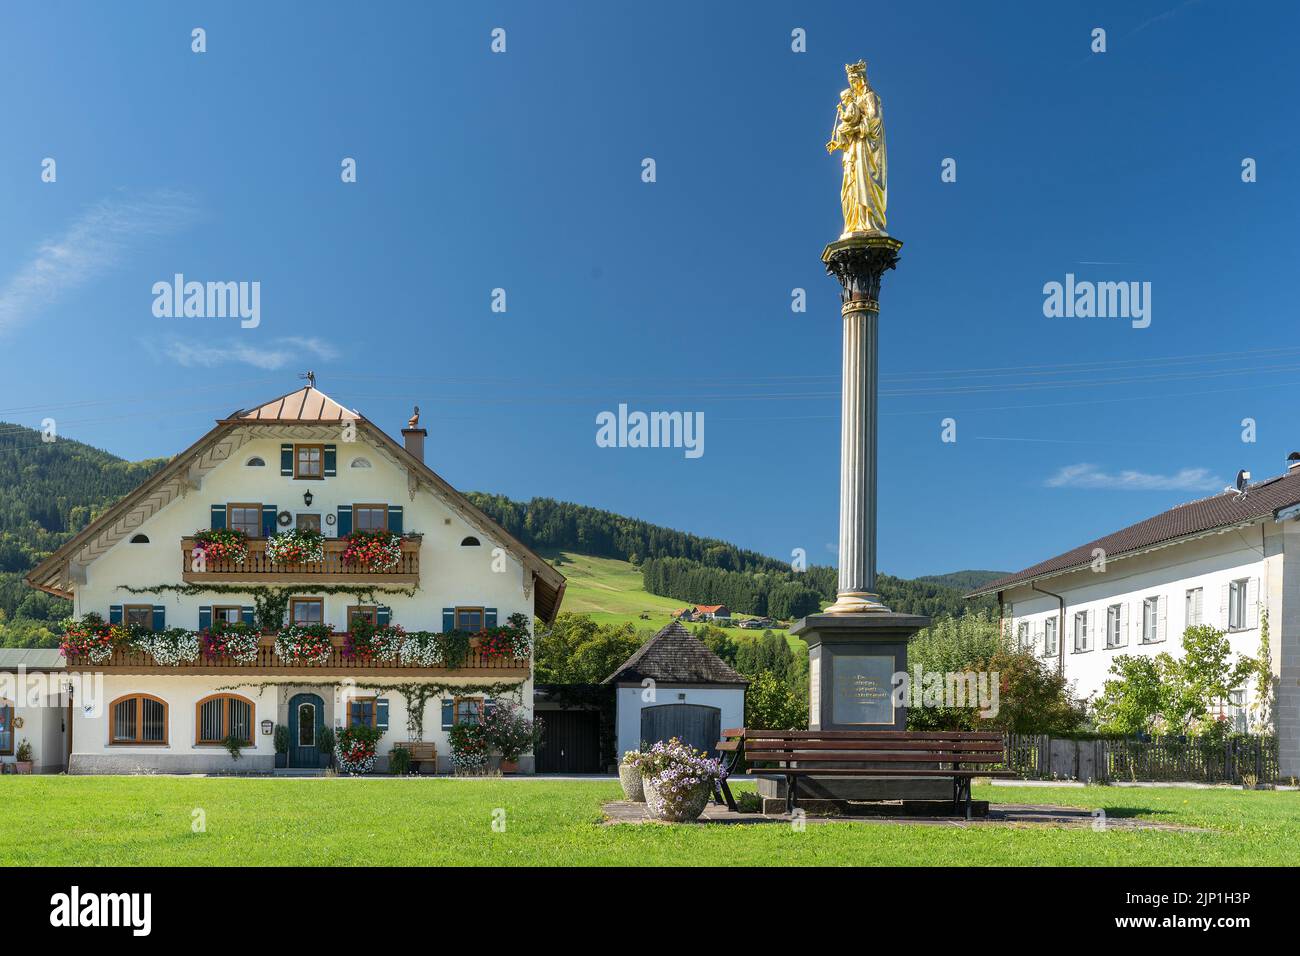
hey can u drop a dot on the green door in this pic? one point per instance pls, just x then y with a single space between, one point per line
306 712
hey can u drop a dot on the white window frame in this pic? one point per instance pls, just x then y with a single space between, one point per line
1023 636
1151 619
1081 632
1194 606
1049 628
1115 626
1238 591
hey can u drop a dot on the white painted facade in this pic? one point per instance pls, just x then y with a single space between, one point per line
630 700
1141 604
465 561
35 714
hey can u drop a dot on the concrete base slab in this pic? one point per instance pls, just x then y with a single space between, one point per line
775 807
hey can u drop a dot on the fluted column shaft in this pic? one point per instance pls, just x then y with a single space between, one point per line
858 454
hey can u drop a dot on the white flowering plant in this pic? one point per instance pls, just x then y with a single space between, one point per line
169 648
678 779
296 546
305 643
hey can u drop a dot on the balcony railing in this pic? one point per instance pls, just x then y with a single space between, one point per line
129 661
258 567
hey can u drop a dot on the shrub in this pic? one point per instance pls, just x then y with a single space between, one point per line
399 761
281 739
355 749
469 747
509 732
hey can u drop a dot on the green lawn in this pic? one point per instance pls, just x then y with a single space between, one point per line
371 822
610 592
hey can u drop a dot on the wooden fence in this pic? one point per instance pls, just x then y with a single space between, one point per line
1236 759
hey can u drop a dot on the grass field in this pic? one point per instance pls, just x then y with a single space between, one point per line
610 592
144 821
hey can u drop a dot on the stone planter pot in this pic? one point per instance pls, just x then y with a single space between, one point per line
281 761
633 787
23 766
684 810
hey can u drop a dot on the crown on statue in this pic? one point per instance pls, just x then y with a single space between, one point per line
856 69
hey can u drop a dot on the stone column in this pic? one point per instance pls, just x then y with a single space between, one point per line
858 263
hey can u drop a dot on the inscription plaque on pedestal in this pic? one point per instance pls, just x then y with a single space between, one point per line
863 690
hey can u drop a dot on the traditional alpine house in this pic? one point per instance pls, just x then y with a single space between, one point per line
295 566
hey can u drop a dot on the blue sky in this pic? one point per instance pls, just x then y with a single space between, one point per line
522 171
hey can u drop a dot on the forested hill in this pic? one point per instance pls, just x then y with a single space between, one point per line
699 570
965 581
48 492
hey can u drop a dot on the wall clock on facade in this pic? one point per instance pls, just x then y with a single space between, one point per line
329 519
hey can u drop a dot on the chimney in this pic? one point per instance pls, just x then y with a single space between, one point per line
413 435
1292 462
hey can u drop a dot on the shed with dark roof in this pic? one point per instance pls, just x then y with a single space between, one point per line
674 686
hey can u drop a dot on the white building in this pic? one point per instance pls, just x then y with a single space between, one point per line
299 461
1226 561
674 686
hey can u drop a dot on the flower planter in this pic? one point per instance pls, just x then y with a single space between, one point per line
23 766
633 786
675 805
509 766
281 761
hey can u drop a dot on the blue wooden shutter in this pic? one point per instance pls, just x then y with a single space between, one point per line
248 615
115 614
448 713
286 460
268 520
345 520
395 519
381 713
218 517
448 619
159 617
489 617
383 615
331 461
205 618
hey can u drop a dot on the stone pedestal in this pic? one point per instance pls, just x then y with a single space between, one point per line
852 659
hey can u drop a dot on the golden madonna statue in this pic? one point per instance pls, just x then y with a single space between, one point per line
859 132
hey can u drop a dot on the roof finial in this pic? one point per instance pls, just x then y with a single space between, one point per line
414 420
310 376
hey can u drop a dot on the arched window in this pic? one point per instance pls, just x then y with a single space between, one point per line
221 715
138 719
6 727
360 463
140 539
255 462
470 542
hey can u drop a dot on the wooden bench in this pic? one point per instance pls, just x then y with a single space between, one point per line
421 751
959 755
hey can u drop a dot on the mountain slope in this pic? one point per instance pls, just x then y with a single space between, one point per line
964 581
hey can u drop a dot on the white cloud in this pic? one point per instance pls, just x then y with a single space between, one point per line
89 248
1090 476
270 355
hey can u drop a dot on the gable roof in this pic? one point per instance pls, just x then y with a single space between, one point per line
308 408
307 404
675 656
709 608
1263 500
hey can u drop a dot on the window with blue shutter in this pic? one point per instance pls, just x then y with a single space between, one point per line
489 617
448 619
345 520
268 520
448 713
218 517
286 460
383 615
395 519
331 461
115 614
381 713
248 615
489 706
159 618
205 618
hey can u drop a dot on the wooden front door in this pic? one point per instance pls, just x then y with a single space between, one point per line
306 713
692 724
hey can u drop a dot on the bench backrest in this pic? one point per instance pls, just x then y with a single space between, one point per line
879 746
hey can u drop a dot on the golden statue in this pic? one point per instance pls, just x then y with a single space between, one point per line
859 132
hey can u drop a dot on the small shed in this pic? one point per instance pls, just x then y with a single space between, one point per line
674 686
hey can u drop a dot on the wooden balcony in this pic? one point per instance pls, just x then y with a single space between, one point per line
257 568
338 665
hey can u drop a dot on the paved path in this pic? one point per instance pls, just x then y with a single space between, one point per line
1000 815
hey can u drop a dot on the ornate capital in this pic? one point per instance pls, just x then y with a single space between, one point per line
858 263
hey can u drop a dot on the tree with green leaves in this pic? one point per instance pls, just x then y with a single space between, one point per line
577 650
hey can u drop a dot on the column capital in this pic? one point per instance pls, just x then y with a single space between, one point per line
858 262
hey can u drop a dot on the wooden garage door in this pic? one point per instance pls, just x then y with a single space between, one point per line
694 724
570 742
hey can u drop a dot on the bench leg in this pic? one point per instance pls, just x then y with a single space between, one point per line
791 788
956 795
726 792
